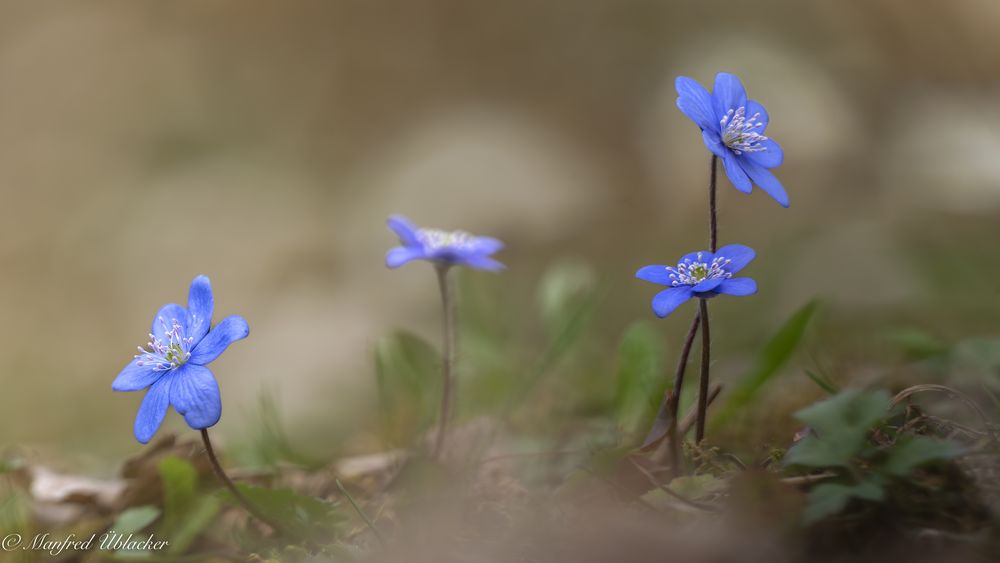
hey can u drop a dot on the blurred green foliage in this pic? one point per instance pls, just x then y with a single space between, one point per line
408 375
775 354
641 380
302 518
186 513
840 441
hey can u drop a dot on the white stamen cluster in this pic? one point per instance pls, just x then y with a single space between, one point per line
163 356
436 239
738 131
695 271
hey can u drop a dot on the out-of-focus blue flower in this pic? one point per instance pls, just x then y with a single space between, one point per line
733 129
172 365
450 248
700 274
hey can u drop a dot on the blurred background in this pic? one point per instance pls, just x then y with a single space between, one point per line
264 144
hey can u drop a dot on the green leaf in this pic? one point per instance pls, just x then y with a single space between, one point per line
269 444
185 513
823 382
567 299
408 373
641 382
916 343
180 481
772 358
841 423
300 516
852 408
562 285
135 519
908 454
827 499
132 521
697 486
197 518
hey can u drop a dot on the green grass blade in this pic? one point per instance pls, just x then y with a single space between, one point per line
772 358
823 382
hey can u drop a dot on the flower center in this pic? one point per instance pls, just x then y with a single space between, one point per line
693 272
436 239
738 131
169 354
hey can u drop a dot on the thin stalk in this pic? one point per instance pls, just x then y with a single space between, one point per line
662 424
232 487
706 358
668 412
447 357
368 521
675 397
706 337
713 223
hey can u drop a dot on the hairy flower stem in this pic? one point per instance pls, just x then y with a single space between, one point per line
670 407
674 399
706 356
706 336
713 224
447 357
232 487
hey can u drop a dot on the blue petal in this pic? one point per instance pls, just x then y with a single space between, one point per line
487 245
401 255
714 144
483 263
655 274
736 174
705 257
194 393
152 410
737 286
404 229
201 305
738 255
163 321
767 181
696 103
135 377
755 107
218 339
728 93
669 299
707 285
771 157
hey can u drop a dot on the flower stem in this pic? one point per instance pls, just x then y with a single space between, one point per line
706 356
447 357
674 398
713 225
706 337
232 487
671 403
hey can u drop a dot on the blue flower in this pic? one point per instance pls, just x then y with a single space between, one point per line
172 366
700 274
447 248
733 129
